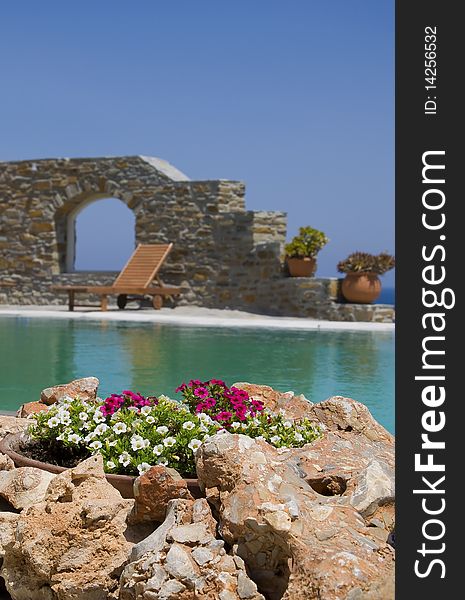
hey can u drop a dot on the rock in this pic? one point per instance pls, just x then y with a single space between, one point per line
246 588
24 486
170 590
296 542
343 464
344 414
12 425
202 555
196 567
179 564
372 487
72 545
8 522
293 407
85 388
6 464
30 408
153 490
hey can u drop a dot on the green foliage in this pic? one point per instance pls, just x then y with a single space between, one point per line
307 244
362 262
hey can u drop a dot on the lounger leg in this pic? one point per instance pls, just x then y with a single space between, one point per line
157 302
104 302
70 300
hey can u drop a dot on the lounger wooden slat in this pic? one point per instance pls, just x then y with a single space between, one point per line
137 278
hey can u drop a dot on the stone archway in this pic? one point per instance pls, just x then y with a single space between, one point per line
65 220
222 252
74 244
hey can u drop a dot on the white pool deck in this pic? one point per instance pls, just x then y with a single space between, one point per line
190 316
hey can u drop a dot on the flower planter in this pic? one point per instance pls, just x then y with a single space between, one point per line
301 267
361 288
10 445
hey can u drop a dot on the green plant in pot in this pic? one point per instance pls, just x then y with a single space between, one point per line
302 250
362 284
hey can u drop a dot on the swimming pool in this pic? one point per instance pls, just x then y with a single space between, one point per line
155 358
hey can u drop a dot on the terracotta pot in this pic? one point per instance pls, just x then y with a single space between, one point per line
361 288
123 483
301 267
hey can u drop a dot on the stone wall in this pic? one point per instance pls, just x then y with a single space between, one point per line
224 256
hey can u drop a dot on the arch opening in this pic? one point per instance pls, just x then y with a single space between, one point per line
100 235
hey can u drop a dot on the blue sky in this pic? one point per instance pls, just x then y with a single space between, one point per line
295 98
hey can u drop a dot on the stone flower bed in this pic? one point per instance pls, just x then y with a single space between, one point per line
313 521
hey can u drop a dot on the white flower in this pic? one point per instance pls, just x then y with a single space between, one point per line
83 416
95 445
133 409
101 428
169 441
275 439
120 428
205 418
158 449
145 410
261 438
135 423
244 426
89 436
162 430
162 461
66 399
61 437
282 412
64 417
137 442
188 425
98 416
53 422
274 427
287 424
256 421
298 436
150 419
203 428
143 467
235 425
74 438
111 464
164 398
113 443
194 445
124 458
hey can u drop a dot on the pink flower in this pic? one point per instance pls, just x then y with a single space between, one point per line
181 388
257 404
201 392
224 415
217 382
194 382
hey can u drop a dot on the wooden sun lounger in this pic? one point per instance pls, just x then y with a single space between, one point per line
137 279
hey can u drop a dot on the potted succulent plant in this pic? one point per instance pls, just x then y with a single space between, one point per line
362 284
302 250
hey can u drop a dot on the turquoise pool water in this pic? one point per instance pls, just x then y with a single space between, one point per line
154 358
